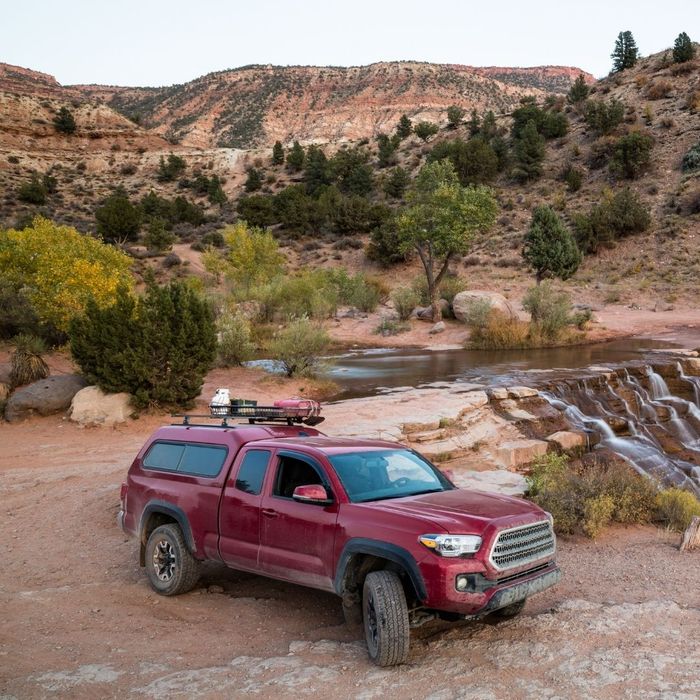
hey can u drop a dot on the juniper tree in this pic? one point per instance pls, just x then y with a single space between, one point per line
424 130
550 249
277 153
404 128
455 115
529 153
578 91
625 53
295 157
157 348
254 180
683 49
118 219
64 121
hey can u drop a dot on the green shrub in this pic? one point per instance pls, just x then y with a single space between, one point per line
424 130
299 347
676 507
235 346
170 169
405 300
26 363
118 219
631 156
550 310
597 514
388 327
499 333
384 245
691 160
158 237
64 122
587 498
157 347
33 191
604 117
573 177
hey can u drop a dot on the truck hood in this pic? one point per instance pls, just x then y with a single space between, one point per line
462 511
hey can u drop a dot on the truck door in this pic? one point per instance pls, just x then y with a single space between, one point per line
239 510
296 539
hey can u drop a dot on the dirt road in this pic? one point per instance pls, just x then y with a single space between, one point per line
80 621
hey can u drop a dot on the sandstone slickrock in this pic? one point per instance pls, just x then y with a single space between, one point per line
47 396
516 453
463 301
91 406
568 440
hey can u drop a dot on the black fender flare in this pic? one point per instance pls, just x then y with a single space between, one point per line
163 507
384 550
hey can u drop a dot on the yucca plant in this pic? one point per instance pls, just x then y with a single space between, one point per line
27 362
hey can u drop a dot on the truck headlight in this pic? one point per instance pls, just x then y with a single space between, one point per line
451 545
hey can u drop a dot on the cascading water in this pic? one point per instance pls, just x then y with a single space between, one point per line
634 412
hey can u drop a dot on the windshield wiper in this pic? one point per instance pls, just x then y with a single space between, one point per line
399 495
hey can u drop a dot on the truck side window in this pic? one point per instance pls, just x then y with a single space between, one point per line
186 458
292 472
252 471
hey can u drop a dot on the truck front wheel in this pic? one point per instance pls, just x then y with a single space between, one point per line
385 615
170 566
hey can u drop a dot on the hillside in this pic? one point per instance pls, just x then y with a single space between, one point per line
257 105
658 267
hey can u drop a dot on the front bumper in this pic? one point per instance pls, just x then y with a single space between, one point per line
485 595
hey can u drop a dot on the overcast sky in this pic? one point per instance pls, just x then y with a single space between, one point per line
151 42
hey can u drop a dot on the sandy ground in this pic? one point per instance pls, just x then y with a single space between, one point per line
80 621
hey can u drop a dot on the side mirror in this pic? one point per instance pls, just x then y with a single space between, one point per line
313 493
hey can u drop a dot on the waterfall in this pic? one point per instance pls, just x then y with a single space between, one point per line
639 417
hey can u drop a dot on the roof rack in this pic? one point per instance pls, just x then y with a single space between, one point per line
288 411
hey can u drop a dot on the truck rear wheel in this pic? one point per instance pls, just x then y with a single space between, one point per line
170 566
385 615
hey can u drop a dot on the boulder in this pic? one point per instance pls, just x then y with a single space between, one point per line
5 373
4 391
91 406
522 392
463 300
425 313
439 327
47 396
499 393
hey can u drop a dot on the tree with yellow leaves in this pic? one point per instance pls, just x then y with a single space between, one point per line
58 269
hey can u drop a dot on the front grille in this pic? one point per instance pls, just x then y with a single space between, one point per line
522 545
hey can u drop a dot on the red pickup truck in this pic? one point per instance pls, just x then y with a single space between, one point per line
372 521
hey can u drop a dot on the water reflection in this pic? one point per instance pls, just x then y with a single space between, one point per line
365 373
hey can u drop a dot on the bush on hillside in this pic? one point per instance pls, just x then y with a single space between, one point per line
33 191
118 219
604 117
170 169
157 347
631 156
691 159
676 508
405 300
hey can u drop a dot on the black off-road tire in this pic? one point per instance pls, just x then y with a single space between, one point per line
508 612
170 566
385 616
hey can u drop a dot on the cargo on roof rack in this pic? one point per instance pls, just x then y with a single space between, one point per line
289 411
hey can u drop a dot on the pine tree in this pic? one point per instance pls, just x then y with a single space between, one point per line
386 149
317 170
625 53
395 185
529 153
424 130
277 153
157 237
683 49
579 90
64 121
550 249
295 157
473 123
404 128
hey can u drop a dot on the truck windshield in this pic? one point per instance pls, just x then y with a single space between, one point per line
382 474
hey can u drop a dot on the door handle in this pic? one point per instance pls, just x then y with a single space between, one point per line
268 512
